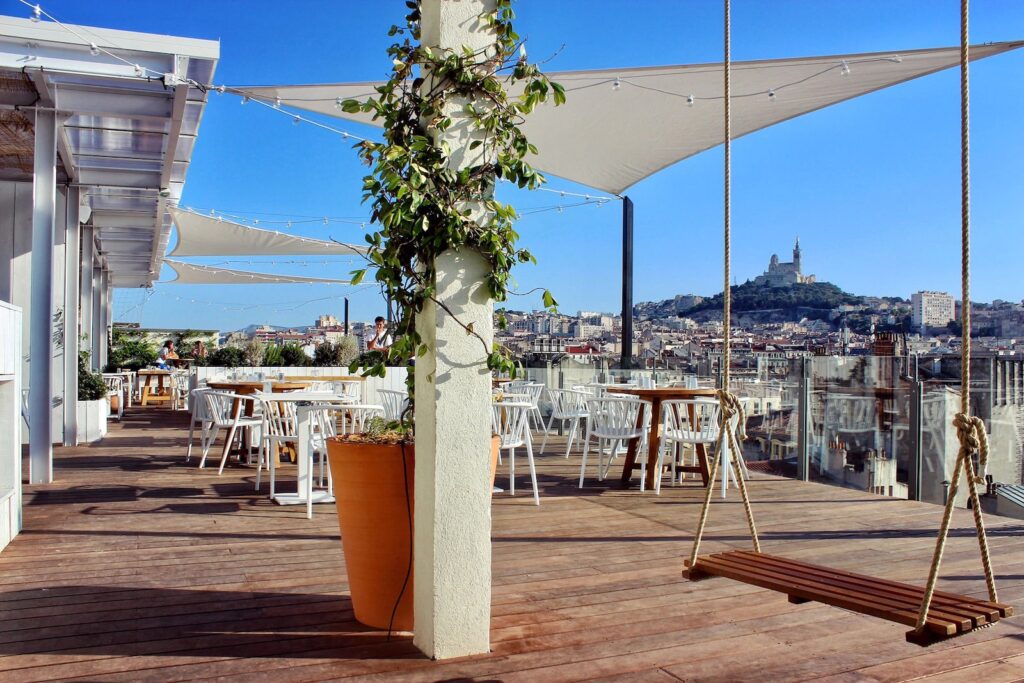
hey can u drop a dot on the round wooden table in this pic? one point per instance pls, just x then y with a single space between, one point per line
655 397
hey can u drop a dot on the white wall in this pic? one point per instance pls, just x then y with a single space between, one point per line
395 378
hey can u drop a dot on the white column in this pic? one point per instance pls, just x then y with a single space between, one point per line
103 301
97 314
452 546
72 264
57 350
86 293
44 189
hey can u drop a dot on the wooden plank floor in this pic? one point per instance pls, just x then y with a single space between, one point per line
137 567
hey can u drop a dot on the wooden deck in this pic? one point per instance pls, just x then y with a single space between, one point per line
136 567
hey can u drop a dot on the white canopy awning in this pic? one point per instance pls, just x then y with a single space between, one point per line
619 126
200 235
194 274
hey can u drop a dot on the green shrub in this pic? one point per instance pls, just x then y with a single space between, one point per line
334 354
132 354
226 357
272 356
91 386
292 355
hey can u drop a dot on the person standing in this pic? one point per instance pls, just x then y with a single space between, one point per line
381 339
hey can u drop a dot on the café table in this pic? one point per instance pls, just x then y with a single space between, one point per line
307 401
654 397
248 388
160 393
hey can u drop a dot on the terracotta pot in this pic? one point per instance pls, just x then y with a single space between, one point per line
375 504
495 450
375 501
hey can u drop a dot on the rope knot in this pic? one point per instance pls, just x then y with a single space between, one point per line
970 431
732 407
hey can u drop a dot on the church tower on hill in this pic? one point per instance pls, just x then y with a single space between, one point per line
781 274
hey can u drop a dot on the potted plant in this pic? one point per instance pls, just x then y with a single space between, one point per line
91 406
422 209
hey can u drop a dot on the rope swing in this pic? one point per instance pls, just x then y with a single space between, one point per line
935 615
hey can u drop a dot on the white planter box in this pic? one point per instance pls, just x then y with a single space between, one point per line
92 420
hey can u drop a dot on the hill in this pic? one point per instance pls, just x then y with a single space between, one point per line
774 304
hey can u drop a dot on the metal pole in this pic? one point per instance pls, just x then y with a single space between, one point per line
86 293
803 465
44 193
626 362
916 431
346 316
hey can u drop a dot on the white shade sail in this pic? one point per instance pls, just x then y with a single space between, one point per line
194 274
619 126
200 235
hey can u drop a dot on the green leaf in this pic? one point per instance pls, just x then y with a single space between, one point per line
357 276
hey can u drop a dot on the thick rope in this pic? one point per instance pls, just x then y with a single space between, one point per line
731 406
970 429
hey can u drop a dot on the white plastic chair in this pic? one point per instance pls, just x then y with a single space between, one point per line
613 421
394 403
566 404
510 421
533 392
201 417
679 432
278 429
179 390
115 387
220 405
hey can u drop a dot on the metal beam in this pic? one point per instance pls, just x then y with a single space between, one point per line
46 99
127 102
44 193
72 264
626 360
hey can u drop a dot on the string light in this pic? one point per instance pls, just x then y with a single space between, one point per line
845 70
138 70
337 103
616 84
277 103
689 100
245 99
771 95
37 13
295 121
220 89
94 49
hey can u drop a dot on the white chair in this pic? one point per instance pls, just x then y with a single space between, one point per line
613 421
394 403
223 415
115 387
533 391
510 421
687 423
201 417
179 390
278 429
566 404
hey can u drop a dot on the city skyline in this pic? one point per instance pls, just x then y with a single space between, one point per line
871 185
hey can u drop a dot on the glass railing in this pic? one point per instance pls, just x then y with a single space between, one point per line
877 424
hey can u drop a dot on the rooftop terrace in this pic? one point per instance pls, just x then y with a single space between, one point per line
135 567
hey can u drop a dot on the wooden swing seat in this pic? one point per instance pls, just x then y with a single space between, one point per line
950 615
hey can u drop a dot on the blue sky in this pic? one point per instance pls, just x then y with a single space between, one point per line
871 186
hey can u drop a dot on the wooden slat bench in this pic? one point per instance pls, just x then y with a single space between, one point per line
950 615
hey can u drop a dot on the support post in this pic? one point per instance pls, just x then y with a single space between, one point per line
97 315
626 361
346 316
44 193
72 264
86 292
452 545
803 462
103 300
916 431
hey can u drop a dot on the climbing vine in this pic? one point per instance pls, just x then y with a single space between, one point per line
422 206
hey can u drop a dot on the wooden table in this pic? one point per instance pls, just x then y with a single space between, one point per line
655 397
158 393
247 389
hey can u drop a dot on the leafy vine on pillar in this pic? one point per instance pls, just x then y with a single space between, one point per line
422 203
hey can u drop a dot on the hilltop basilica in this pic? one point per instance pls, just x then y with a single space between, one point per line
784 274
